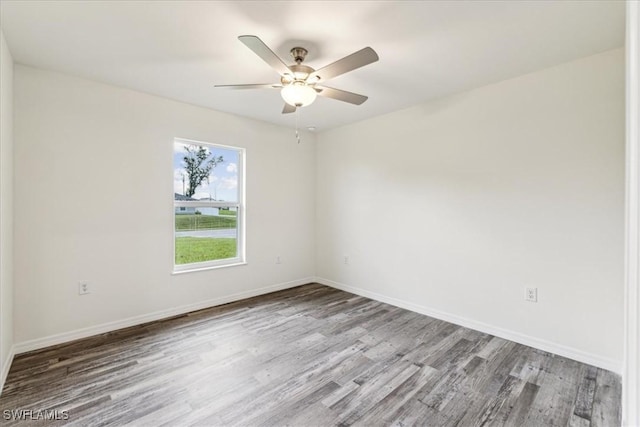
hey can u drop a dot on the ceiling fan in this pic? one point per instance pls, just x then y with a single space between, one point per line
300 84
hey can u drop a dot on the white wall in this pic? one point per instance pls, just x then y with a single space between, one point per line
450 207
6 208
93 199
631 372
454 207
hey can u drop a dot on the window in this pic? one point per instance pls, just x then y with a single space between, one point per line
207 204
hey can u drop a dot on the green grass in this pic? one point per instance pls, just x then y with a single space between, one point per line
200 249
227 213
203 222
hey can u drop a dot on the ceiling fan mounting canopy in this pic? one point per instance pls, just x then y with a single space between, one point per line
299 53
298 82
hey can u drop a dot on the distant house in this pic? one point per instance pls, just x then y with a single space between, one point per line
183 210
208 210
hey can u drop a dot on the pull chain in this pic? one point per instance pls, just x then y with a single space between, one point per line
297 133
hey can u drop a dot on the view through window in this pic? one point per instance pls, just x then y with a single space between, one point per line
207 194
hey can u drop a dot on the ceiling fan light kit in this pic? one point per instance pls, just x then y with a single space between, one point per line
298 94
299 83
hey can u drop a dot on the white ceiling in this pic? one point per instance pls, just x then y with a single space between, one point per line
180 49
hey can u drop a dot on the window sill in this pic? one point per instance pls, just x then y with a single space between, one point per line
210 267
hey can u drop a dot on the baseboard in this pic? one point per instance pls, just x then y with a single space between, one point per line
6 366
62 338
551 347
559 349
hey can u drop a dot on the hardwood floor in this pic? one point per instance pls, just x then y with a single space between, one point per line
308 356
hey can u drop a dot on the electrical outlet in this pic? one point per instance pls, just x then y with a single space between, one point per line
346 259
531 294
278 260
83 288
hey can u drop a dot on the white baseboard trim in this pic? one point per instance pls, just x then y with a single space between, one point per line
544 345
6 366
65 337
559 349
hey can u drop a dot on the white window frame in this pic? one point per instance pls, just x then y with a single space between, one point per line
239 259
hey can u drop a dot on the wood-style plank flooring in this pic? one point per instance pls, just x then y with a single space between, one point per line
308 356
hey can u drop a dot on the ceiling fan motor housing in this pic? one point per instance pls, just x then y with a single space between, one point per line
300 73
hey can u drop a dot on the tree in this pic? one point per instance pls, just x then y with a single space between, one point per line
198 166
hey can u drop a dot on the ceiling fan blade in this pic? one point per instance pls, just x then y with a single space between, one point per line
348 63
251 86
288 109
267 55
341 95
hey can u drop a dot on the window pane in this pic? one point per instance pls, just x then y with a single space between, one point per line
205 172
204 234
208 194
